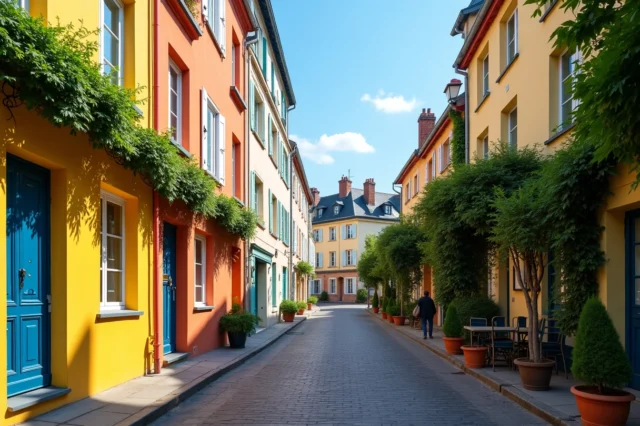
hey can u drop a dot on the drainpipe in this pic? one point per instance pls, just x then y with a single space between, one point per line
292 283
466 110
156 201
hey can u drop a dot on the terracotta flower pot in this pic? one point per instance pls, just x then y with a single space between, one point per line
309 306
384 315
300 311
535 376
475 356
602 410
288 317
453 345
376 310
390 318
399 320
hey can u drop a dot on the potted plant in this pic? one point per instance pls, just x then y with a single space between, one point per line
601 362
288 309
376 302
390 310
396 314
453 330
302 305
324 296
312 300
238 325
385 302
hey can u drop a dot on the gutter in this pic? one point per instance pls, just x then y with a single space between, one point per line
157 366
292 234
466 112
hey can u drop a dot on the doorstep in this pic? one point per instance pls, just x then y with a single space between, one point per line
35 397
173 358
556 406
144 399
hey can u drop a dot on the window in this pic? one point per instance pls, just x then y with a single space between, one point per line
112 252
332 259
445 150
332 233
350 288
350 257
258 200
24 4
408 191
387 209
235 172
435 164
316 287
336 210
258 124
318 260
175 102
112 37
430 173
317 235
319 213
213 139
200 271
274 139
512 37
234 63
513 128
214 13
332 285
485 147
351 231
485 76
273 216
567 74
415 185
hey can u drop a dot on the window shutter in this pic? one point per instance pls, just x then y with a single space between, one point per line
320 235
343 231
269 133
252 110
264 57
273 77
320 264
221 145
355 230
283 108
344 258
204 148
354 254
205 12
270 213
222 25
253 191
295 238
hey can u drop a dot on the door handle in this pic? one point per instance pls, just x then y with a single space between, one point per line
22 273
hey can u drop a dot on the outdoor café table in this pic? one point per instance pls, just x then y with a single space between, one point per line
479 329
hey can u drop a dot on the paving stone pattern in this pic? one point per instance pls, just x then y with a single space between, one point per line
344 367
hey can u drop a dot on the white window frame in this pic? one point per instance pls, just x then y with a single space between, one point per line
573 58
332 286
511 129
485 147
415 185
213 146
350 232
173 67
332 233
512 38
202 240
234 52
387 209
349 281
317 287
317 260
349 257
111 198
485 75
214 12
25 5
120 67
336 210
319 213
332 259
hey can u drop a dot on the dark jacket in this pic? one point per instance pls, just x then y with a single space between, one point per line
427 307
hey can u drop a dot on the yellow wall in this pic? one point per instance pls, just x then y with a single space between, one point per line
339 245
88 355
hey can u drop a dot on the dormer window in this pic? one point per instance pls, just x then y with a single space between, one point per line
387 209
319 213
336 210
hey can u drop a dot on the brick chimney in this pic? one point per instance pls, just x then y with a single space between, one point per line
370 192
316 196
344 187
426 123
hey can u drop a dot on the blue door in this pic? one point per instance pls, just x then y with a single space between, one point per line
169 288
633 294
28 325
253 290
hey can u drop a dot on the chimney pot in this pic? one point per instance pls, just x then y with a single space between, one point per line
370 192
316 196
344 187
426 123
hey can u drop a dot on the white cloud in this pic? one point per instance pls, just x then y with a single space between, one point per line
390 103
319 152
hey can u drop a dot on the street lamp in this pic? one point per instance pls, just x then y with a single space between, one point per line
452 90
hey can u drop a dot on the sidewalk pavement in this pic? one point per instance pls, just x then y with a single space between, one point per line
144 399
557 405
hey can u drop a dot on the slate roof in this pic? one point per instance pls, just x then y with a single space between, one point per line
473 7
356 207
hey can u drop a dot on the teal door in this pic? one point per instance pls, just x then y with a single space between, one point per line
284 283
169 288
253 290
28 324
633 294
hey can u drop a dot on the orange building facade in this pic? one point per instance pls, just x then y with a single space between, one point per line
201 87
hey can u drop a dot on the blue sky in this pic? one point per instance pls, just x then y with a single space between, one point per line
362 70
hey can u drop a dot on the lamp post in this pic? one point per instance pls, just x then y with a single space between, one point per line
452 90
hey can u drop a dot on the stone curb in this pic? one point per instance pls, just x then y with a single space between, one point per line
541 410
165 404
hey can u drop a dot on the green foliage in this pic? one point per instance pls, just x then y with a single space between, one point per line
51 69
312 299
370 271
324 296
452 326
394 309
458 155
305 269
454 214
361 295
288 307
476 307
598 356
376 300
385 304
194 7
237 321
302 305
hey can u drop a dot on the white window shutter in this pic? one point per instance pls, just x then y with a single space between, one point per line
320 264
222 25
343 231
204 149
205 11
344 258
354 254
321 235
220 145
355 230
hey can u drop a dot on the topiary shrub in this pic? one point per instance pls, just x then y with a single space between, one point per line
361 295
376 300
312 299
598 356
324 296
288 307
452 326
302 305
477 307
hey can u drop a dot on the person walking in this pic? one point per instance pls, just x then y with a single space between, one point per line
427 312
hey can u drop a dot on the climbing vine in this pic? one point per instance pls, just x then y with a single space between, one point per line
51 69
458 156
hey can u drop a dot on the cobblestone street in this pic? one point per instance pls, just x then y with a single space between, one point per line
342 366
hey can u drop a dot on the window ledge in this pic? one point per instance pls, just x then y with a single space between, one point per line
203 308
125 313
508 67
35 397
274 235
258 137
182 149
239 201
237 98
548 11
261 225
559 133
213 36
138 110
213 177
484 98
186 19
273 161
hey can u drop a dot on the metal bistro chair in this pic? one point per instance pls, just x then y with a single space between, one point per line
477 322
520 339
501 344
554 346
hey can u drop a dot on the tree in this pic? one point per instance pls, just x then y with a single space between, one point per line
369 270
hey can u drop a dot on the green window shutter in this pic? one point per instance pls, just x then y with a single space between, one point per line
253 192
270 213
279 219
252 110
264 57
269 132
273 77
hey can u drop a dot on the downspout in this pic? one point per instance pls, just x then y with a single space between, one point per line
156 200
292 283
466 111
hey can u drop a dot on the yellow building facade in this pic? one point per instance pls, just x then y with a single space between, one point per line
78 258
